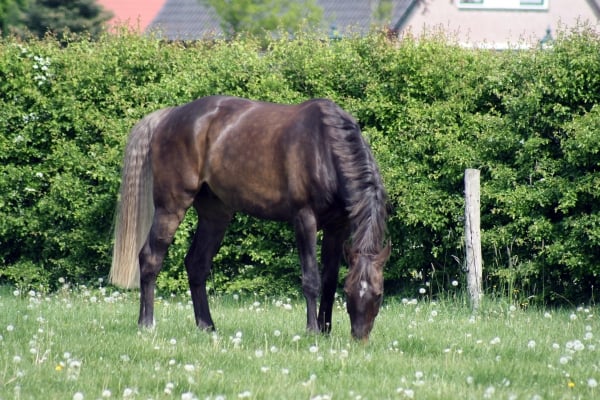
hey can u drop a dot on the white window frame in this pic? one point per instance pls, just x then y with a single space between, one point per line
525 5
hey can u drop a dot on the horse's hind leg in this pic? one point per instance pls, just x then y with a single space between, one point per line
213 219
331 256
161 234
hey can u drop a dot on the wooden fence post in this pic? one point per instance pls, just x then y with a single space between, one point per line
473 237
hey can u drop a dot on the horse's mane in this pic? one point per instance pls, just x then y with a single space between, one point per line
362 187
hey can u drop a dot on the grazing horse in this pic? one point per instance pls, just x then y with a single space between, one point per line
307 164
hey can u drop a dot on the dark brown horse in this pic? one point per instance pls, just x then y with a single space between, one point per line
307 164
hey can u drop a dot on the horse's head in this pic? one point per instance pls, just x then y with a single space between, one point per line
364 290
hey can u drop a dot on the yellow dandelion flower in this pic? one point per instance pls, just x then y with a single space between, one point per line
571 384
58 368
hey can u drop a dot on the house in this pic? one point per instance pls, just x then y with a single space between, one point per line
192 19
136 13
490 23
499 24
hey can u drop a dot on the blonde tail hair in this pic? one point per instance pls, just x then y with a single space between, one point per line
135 207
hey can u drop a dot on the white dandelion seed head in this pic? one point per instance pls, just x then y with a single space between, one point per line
563 360
189 367
78 396
592 383
188 396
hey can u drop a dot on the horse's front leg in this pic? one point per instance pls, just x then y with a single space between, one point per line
305 226
151 258
331 256
198 261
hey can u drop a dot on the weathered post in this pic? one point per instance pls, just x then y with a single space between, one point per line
473 237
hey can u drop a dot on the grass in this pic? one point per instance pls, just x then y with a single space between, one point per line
84 344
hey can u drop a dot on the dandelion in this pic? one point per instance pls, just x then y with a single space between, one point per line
106 393
563 360
277 333
455 283
422 291
258 353
313 349
78 396
244 395
573 317
10 328
187 396
189 367
489 392
570 384
547 315
169 388
495 341
531 344
16 359
173 341
58 367
592 383
128 392
296 338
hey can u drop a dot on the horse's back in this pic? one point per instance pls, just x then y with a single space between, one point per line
262 158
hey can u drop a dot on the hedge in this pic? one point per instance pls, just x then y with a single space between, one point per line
528 119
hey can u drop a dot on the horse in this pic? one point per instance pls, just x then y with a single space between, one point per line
307 164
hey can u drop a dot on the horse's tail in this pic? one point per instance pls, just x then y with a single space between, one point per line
135 208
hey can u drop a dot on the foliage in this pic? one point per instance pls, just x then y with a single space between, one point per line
527 119
59 18
9 14
257 17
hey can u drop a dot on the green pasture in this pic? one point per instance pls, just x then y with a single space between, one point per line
83 343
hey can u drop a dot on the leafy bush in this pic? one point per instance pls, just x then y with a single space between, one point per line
430 109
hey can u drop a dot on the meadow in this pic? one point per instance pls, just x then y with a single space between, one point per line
84 343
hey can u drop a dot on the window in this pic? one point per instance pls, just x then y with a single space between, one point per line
503 4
